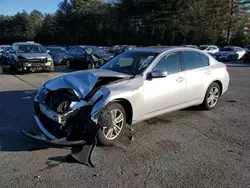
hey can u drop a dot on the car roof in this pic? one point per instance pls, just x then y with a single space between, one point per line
5 45
157 49
231 47
30 43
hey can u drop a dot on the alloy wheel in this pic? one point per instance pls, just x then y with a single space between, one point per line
213 97
117 119
68 64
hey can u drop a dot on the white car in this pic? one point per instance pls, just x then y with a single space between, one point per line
211 49
229 53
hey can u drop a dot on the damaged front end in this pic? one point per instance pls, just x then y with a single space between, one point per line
69 117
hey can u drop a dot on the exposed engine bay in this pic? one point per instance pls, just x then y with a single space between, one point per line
67 118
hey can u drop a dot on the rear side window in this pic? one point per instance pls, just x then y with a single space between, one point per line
171 63
192 60
204 60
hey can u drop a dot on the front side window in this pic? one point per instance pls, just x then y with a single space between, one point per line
192 60
80 51
204 60
170 63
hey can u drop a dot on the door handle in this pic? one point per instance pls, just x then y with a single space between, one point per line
207 72
180 79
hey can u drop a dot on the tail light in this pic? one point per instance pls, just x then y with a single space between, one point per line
227 68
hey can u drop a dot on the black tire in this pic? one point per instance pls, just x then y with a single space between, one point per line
1 70
245 61
68 64
105 122
90 65
205 103
13 68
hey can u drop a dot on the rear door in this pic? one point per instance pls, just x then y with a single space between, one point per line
198 74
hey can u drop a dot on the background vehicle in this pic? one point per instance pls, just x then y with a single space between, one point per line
211 49
101 55
86 57
78 58
229 53
29 56
120 49
246 57
4 54
190 46
57 53
128 89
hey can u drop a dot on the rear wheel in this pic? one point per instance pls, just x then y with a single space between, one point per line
112 120
212 96
13 68
68 64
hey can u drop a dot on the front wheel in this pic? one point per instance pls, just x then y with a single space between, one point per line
111 122
52 68
91 65
212 96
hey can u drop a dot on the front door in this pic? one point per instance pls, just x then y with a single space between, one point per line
163 93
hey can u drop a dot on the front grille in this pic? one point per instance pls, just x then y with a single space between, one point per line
52 127
59 100
36 60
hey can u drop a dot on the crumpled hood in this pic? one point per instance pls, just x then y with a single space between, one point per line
105 56
82 82
33 55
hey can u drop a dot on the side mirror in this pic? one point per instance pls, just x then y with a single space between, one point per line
1 50
158 74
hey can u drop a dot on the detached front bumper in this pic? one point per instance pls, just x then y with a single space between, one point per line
46 136
49 121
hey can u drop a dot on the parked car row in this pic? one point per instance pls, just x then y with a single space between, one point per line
226 53
30 56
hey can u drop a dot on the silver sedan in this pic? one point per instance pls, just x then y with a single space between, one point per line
134 86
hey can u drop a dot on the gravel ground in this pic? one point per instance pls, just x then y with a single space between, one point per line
188 148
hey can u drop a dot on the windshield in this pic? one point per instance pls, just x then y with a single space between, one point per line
6 49
227 49
203 47
56 50
132 63
94 50
26 48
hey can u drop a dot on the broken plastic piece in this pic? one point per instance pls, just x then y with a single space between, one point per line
83 153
